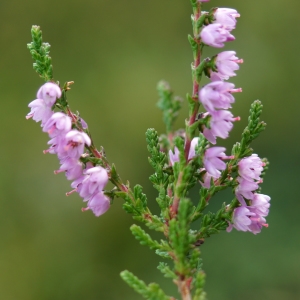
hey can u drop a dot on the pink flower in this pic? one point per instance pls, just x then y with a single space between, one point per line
72 167
75 141
257 223
174 157
220 125
215 35
49 92
217 95
213 161
226 63
39 111
226 17
58 147
241 219
206 179
94 181
59 123
260 205
245 189
99 204
41 107
194 143
250 167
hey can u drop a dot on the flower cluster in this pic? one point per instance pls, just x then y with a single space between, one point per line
216 97
218 32
250 217
69 145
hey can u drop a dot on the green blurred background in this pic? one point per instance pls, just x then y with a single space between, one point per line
116 52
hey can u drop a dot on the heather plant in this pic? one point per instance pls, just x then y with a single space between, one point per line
181 158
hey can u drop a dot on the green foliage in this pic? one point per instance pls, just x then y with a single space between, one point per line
151 292
199 70
193 105
40 54
199 282
180 236
160 178
213 222
251 132
165 269
163 254
146 240
157 159
193 43
169 104
266 167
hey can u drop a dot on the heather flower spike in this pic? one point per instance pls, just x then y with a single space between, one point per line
181 158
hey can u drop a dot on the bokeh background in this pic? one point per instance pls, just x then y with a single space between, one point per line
116 52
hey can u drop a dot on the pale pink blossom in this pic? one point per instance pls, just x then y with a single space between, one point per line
174 156
260 204
99 204
77 182
95 179
213 162
192 152
226 17
49 92
206 179
217 95
245 189
244 219
39 111
257 223
227 63
250 167
220 125
215 35
83 124
74 143
72 168
57 146
241 219
59 123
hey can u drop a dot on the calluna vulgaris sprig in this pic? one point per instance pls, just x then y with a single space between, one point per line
180 158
